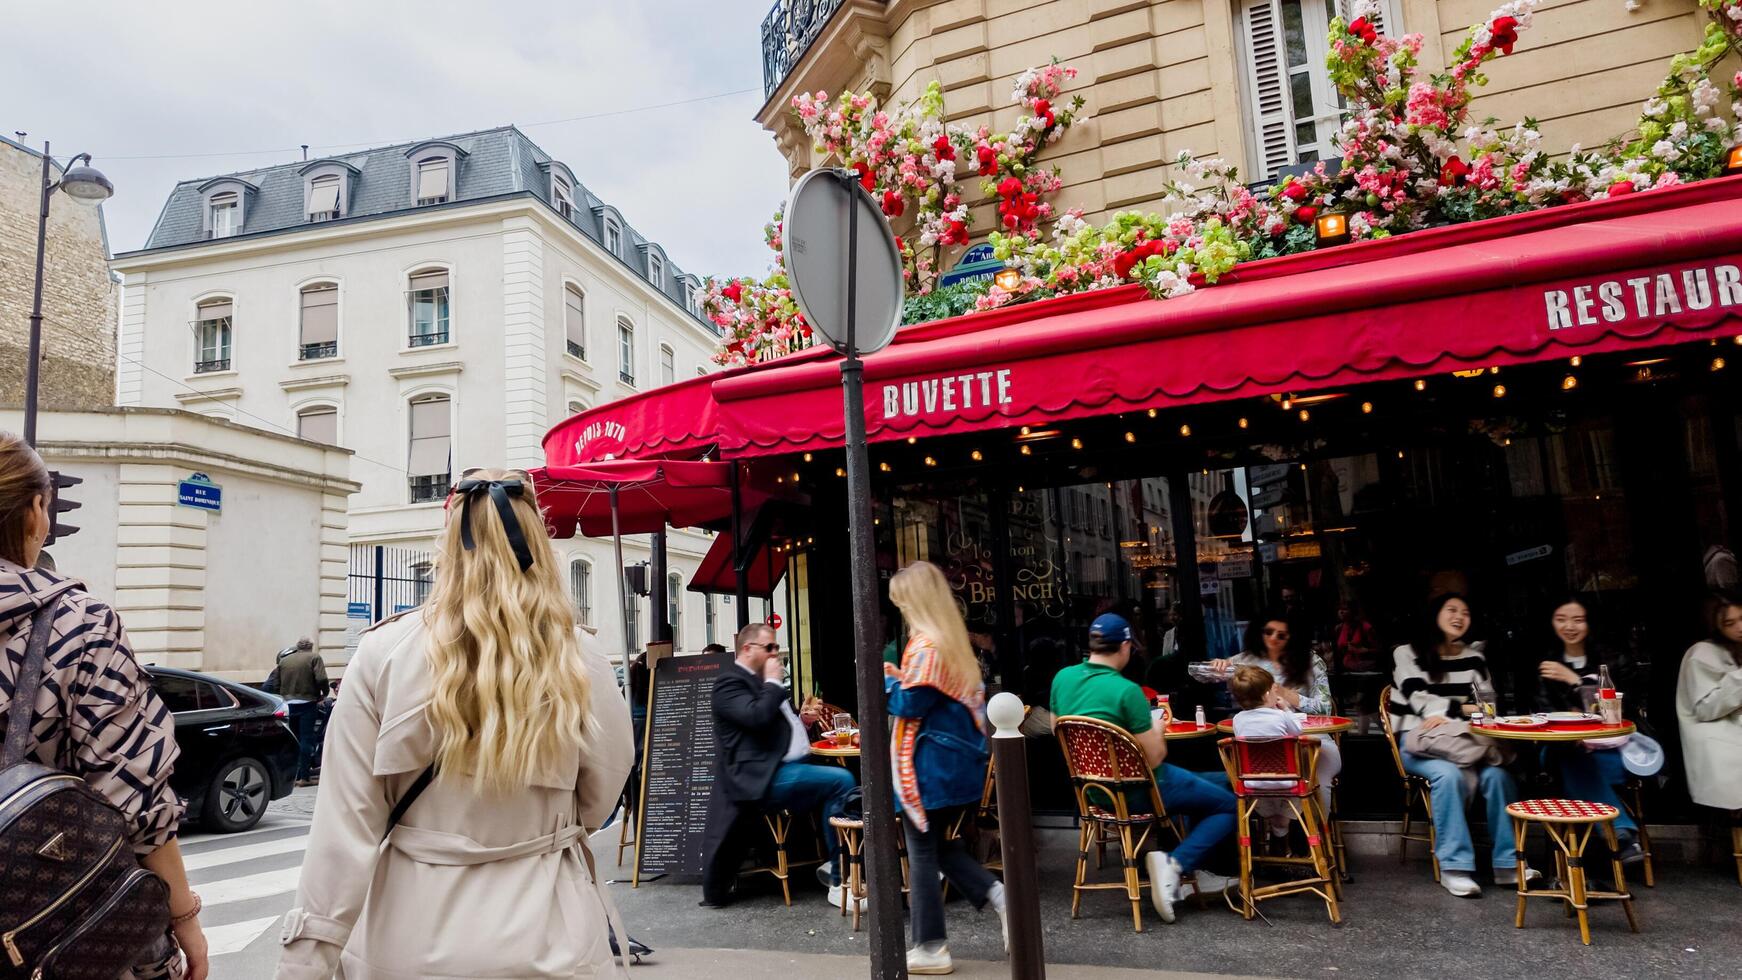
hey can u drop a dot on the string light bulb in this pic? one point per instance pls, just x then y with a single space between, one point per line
1494 369
931 461
1152 413
884 466
1244 422
1366 408
976 456
1305 415
795 476
1569 382
1130 437
1287 402
911 440
1499 391
807 457
1185 430
1027 450
1717 364
1024 431
1420 384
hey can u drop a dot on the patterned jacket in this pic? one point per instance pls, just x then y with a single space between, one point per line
96 714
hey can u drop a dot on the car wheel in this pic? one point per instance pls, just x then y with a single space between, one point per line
237 797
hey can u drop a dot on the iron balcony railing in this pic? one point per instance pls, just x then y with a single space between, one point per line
318 351
430 487
214 364
787 33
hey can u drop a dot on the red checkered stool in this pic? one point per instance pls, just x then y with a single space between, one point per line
1569 824
1284 770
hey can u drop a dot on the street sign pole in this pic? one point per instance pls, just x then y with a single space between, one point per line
825 271
882 867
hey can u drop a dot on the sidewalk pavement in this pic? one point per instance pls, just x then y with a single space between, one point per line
710 964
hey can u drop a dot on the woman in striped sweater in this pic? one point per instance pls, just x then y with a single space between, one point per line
1433 682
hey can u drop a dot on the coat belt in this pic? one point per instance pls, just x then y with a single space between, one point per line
436 847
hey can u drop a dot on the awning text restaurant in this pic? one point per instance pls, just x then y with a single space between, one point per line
1520 409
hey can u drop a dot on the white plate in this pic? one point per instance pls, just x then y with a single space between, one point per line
1569 716
1521 721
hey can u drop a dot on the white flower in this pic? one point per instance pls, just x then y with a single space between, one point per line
1633 6
1664 149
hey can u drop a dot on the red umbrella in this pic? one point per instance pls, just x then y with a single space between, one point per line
650 494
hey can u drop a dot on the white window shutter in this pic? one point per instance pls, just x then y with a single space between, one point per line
1266 89
1381 21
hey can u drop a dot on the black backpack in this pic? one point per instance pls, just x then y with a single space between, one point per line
74 902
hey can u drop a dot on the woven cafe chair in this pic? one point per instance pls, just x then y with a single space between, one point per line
1415 791
1569 825
1280 769
852 835
1633 798
1107 768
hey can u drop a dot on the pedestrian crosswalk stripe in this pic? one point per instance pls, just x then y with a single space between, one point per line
250 887
245 852
206 841
237 936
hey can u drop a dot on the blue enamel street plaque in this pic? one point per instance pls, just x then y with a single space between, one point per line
198 491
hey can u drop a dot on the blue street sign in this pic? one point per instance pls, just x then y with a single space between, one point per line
977 263
357 610
199 492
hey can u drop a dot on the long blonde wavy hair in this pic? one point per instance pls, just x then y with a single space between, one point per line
923 595
510 690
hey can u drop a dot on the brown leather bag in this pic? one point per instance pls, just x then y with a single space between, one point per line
74 902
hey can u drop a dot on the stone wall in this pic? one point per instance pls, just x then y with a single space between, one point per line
78 297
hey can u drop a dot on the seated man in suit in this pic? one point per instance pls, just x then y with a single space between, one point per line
762 763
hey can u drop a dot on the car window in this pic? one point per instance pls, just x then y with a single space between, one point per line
179 693
213 696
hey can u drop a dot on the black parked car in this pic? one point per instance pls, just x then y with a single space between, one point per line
237 750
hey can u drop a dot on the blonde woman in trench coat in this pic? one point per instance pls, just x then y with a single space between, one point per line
487 874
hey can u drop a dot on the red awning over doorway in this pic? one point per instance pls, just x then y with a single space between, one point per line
716 577
1646 269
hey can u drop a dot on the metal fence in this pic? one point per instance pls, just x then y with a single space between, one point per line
385 580
787 32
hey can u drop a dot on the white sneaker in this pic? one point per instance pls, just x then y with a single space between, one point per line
1509 876
1163 882
1209 883
837 895
825 871
995 898
930 960
1459 883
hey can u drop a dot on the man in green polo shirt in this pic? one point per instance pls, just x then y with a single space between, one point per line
1097 689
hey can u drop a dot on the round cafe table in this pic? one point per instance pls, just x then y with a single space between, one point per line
1311 725
1187 729
1568 731
827 749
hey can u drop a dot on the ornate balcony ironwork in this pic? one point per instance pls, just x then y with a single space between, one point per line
787 33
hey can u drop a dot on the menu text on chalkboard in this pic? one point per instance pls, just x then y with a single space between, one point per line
677 765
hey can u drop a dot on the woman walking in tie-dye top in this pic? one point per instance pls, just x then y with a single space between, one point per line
938 750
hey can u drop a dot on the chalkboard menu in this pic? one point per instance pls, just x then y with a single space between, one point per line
678 765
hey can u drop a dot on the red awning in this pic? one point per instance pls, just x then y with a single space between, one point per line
1645 269
678 420
651 494
715 574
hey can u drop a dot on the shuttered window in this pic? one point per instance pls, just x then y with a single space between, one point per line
581 589
323 198
320 322
430 444
1293 111
318 425
575 321
432 181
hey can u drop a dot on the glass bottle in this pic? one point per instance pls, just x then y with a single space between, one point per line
1605 686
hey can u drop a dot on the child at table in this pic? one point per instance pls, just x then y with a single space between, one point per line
1265 714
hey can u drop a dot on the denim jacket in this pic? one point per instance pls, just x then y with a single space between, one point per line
950 754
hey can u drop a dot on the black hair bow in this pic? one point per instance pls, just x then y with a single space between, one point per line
499 491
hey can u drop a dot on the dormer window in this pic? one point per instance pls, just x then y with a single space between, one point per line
613 236
562 195
225 214
655 270
433 180
323 198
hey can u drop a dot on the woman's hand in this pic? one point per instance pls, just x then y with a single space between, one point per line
1553 671
192 940
1220 664
1429 724
1289 698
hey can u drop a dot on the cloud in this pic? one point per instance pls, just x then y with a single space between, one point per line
167 92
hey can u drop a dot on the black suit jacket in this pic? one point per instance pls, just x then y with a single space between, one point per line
751 732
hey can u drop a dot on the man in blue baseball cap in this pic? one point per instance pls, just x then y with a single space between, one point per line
1097 689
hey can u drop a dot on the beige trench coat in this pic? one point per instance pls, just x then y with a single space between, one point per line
1708 703
466 886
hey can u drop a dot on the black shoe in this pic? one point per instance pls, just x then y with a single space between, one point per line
1629 852
710 904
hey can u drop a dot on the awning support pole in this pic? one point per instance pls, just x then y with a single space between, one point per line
660 598
622 589
739 562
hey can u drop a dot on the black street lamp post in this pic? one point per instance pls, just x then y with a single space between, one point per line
82 183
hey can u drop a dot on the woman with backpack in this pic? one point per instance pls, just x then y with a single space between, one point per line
480 741
938 751
94 715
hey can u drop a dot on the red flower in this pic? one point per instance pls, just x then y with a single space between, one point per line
1123 262
942 147
1295 191
988 161
1363 30
1009 187
892 205
1621 187
1453 172
1043 110
733 291
1505 31
866 178
957 234
1305 214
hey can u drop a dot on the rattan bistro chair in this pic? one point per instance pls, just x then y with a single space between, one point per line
1283 769
1107 769
1415 791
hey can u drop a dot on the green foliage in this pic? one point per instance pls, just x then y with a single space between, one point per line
943 302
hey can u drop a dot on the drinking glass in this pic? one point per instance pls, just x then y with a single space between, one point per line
843 731
1588 697
1609 709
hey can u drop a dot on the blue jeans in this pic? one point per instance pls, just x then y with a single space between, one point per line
1456 851
801 786
302 720
1591 776
1207 805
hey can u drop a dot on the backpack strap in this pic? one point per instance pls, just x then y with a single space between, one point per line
423 780
24 691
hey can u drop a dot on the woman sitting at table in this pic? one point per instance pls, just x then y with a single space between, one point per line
1433 682
1708 703
1567 680
1302 682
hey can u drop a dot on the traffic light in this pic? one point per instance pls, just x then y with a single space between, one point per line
58 504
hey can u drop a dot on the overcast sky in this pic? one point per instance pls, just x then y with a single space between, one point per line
167 92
